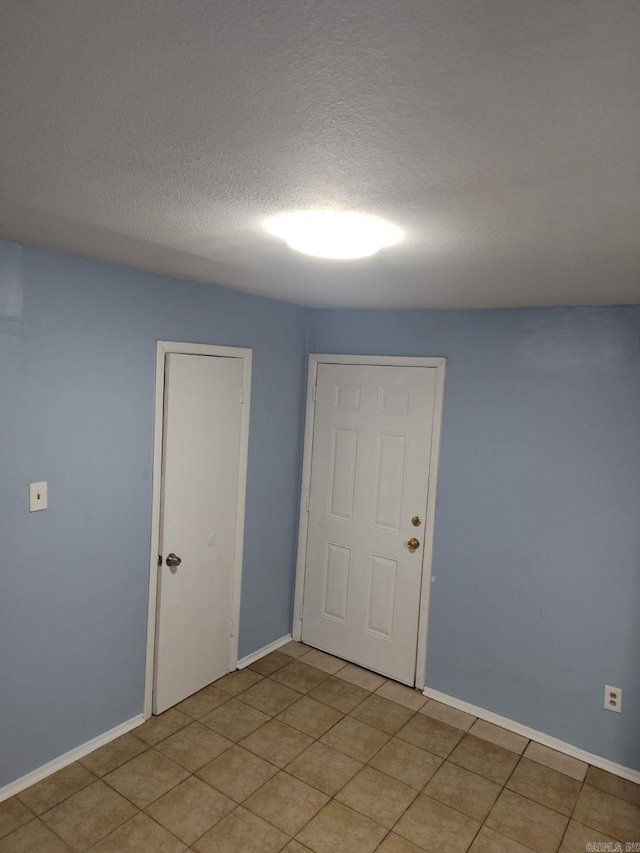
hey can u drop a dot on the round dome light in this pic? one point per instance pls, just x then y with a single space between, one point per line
338 235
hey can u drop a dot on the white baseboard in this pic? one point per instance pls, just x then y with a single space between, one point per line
532 734
68 758
265 650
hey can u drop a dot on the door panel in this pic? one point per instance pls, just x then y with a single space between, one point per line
201 453
391 455
342 485
369 473
337 569
381 596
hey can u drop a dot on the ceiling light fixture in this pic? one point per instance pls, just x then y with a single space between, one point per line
338 235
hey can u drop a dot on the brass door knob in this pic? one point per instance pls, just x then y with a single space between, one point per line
413 543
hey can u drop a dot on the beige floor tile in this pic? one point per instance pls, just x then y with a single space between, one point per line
13 815
300 676
463 790
402 694
406 762
578 836
139 835
356 739
447 714
114 754
242 832
270 697
432 735
146 777
276 742
294 649
396 844
286 802
361 677
338 829
406 785
377 796
237 773
556 760
194 746
56 788
237 682
436 827
382 713
322 660
33 837
270 663
527 822
235 719
190 809
202 702
310 716
499 736
324 768
615 785
485 758
338 694
88 816
490 841
608 814
160 727
545 786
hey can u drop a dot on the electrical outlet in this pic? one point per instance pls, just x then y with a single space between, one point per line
613 698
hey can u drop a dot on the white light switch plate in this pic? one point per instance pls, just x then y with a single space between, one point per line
37 496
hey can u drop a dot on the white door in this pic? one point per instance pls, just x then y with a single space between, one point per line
201 455
369 470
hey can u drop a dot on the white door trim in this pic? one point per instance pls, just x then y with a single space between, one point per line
163 348
427 555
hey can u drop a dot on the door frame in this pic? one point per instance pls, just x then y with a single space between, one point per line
427 554
163 348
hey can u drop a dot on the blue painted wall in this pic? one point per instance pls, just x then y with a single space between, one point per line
536 601
77 388
537 549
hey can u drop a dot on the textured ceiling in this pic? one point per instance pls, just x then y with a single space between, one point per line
503 136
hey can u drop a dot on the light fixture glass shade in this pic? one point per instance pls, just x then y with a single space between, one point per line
338 235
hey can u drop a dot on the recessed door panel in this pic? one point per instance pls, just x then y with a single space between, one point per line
381 597
335 597
395 401
342 485
347 397
389 480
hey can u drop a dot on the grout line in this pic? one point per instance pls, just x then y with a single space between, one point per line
143 812
422 791
51 829
314 740
568 824
64 799
110 831
390 737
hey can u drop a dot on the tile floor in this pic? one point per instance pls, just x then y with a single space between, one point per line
302 752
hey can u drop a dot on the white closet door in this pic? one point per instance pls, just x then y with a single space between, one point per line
201 452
